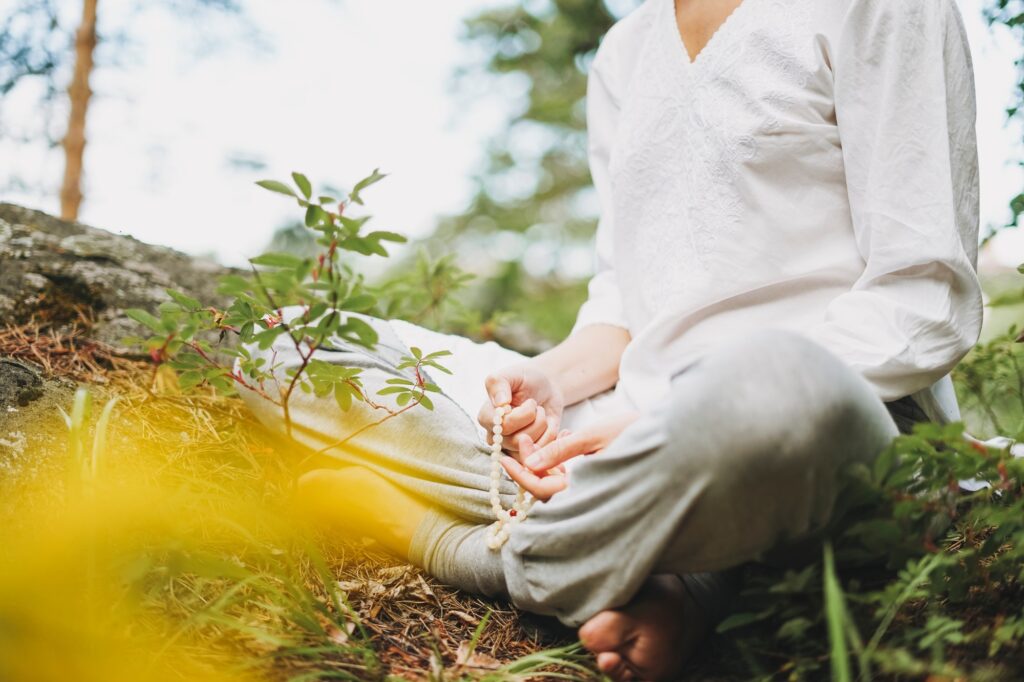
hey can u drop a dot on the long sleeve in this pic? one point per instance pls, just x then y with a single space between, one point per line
905 107
604 302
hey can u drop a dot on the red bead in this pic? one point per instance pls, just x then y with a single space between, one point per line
513 512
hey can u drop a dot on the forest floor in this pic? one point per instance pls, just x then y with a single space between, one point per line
398 621
156 540
258 599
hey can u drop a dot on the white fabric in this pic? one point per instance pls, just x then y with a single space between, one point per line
815 169
471 362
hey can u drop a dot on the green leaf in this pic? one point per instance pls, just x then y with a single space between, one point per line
359 331
234 285
375 247
360 246
835 616
739 620
442 368
314 214
883 465
275 186
189 380
795 629
385 236
317 310
183 300
265 337
392 389
303 184
343 396
372 179
426 402
403 399
145 318
359 303
277 260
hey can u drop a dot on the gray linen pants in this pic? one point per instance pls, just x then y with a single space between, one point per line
742 457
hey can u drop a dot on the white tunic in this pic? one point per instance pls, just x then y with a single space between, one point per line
815 169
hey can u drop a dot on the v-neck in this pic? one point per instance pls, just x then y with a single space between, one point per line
710 45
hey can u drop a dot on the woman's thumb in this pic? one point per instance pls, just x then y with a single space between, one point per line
499 389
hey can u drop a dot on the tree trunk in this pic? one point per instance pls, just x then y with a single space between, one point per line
79 93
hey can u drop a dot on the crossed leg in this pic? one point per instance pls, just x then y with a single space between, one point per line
743 456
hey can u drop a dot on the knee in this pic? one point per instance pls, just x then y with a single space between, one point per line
778 360
785 403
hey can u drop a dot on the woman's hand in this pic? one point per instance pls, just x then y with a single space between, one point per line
542 473
536 401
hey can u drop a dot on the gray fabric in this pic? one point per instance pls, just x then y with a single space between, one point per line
742 457
456 553
437 455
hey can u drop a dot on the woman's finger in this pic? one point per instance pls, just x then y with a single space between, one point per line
543 488
534 429
560 451
520 417
499 389
509 423
550 434
485 417
525 444
539 425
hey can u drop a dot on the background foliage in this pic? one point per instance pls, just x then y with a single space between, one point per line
533 192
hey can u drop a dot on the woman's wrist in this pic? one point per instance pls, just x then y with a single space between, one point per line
585 364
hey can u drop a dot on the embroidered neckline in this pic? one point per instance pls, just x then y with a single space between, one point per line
686 131
707 54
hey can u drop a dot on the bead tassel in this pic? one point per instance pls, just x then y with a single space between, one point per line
498 532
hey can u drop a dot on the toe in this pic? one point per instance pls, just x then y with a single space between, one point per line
607 631
614 666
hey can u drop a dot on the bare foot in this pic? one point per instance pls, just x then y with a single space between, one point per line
652 637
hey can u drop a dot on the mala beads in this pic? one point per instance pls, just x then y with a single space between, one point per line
497 533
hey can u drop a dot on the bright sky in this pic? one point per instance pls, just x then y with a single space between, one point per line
344 87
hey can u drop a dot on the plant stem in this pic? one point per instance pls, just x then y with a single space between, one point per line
365 427
234 377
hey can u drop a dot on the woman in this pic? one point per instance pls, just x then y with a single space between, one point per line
787 247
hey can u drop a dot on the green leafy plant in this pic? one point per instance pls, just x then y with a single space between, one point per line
992 383
330 297
918 577
85 459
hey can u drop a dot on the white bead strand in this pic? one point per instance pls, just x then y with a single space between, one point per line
498 532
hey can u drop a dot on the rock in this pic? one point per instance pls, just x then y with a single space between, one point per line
57 272
20 384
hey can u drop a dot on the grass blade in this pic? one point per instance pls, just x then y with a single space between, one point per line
835 616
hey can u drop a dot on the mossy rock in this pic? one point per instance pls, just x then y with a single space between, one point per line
58 273
20 384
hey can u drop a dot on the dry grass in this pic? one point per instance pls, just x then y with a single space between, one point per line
192 495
